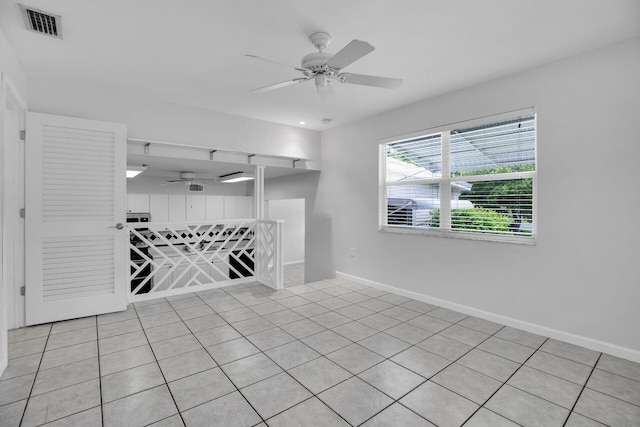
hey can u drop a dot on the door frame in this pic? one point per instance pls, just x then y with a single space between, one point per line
11 302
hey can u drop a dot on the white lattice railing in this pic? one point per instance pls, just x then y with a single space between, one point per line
269 253
173 258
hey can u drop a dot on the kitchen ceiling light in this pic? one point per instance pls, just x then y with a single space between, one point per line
236 177
133 171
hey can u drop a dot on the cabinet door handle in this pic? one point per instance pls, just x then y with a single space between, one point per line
118 226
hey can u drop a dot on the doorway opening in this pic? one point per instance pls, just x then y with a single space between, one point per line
292 212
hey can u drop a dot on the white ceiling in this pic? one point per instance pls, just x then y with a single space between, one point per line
191 52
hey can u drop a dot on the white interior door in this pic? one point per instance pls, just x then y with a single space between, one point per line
76 242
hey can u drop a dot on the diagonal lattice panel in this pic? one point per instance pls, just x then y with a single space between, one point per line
170 257
269 259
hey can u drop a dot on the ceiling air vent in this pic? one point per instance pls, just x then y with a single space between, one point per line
196 188
42 22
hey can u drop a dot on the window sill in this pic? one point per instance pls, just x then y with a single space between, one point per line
466 235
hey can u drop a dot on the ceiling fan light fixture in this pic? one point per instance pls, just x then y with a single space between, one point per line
235 177
321 80
133 171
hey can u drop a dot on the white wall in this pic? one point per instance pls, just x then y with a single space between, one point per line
582 277
9 64
291 211
157 121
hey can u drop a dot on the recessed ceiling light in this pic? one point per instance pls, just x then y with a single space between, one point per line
302 123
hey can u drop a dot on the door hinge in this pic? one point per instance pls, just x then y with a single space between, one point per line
22 290
22 213
23 134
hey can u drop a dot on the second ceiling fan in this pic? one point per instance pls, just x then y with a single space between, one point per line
324 67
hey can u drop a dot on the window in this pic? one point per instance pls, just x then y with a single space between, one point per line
474 179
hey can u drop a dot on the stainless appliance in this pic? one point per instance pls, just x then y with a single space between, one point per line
138 217
137 257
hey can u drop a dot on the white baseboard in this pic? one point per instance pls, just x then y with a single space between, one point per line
601 346
300 261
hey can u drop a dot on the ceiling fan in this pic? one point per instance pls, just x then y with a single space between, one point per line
324 67
189 178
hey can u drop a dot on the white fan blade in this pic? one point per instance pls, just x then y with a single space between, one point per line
376 81
164 184
350 54
279 85
274 62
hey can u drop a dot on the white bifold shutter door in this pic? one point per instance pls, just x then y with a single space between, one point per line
75 229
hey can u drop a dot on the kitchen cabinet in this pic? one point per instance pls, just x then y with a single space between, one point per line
163 277
137 203
230 207
181 274
195 207
179 278
159 207
219 267
177 207
168 273
219 273
244 207
202 277
238 207
214 207
191 207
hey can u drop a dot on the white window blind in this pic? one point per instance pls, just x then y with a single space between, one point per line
471 179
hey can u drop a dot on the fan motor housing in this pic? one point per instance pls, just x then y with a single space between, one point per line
187 176
316 61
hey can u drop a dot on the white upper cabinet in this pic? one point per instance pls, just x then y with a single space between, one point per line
159 207
230 207
244 207
177 207
137 203
191 207
214 208
238 207
196 207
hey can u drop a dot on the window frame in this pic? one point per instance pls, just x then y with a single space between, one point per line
445 181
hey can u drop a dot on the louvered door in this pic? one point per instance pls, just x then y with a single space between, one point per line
76 257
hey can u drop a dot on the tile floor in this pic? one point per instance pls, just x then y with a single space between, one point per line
293 274
331 353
